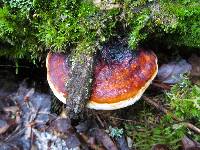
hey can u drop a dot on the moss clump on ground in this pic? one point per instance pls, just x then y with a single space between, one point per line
166 132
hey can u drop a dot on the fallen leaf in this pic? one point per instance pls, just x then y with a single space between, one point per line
12 109
62 125
46 140
194 60
35 106
84 126
90 141
189 144
3 126
6 146
171 73
129 142
102 137
122 143
72 141
160 147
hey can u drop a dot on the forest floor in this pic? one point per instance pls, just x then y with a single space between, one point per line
166 117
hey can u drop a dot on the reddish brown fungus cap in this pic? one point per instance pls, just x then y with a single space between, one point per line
57 74
117 83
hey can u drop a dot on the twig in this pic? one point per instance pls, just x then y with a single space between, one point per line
46 113
12 66
117 118
157 106
161 85
193 127
14 134
100 121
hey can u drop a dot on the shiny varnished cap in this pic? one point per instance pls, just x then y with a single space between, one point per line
118 82
121 83
57 74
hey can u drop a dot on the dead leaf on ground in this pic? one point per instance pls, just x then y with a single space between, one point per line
8 83
194 60
3 126
73 141
122 143
62 125
102 137
30 110
46 140
171 73
35 106
85 126
160 147
91 143
189 144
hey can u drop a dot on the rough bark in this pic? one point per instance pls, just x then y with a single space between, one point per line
79 84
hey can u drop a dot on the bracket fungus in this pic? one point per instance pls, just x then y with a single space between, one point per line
119 78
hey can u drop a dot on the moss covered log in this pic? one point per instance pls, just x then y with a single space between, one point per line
30 28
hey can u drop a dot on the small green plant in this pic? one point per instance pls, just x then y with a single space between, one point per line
24 5
115 132
184 100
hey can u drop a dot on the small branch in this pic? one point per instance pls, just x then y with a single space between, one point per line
164 110
161 85
100 121
192 127
157 106
12 66
121 119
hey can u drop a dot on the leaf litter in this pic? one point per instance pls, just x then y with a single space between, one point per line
26 122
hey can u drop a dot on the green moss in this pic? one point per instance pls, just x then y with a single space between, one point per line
17 37
32 28
181 21
75 23
151 128
184 100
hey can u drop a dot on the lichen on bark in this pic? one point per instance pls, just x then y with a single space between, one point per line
79 83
